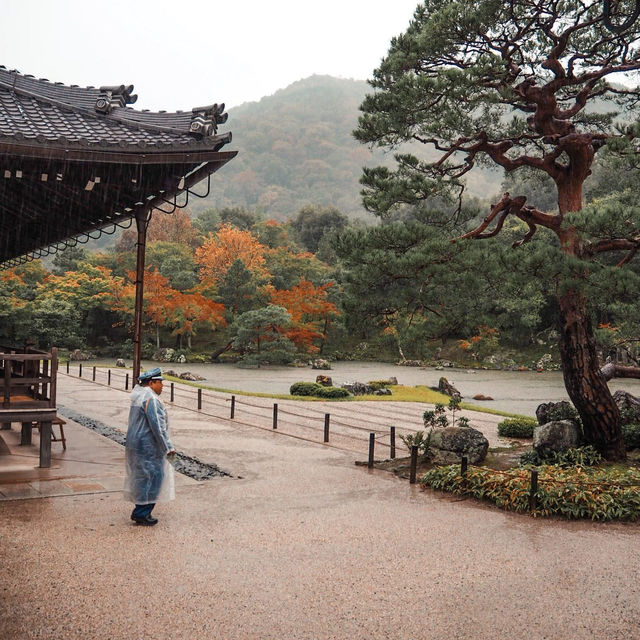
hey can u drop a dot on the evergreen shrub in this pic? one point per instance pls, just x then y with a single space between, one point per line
380 384
332 392
575 457
317 390
631 435
517 427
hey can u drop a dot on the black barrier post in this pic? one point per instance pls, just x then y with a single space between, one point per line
93 377
80 370
126 382
533 490
67 366
172 391
199 399
372 444
463 465
392 455
233 407
327 418
275 416
109 376
414 464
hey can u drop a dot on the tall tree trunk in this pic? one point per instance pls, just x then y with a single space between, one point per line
583 380
585 384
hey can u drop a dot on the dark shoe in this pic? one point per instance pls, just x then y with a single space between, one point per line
147 521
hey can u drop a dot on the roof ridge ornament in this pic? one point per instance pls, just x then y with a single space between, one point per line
205 120
111 97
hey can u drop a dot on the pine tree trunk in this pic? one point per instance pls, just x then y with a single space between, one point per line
583 380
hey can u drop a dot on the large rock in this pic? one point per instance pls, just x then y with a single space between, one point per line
548 411
358 388
319 363
120 362
556 436
163 355
325 381
192 377
444 386
629 406
452 443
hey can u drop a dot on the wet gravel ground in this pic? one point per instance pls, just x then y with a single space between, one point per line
183 463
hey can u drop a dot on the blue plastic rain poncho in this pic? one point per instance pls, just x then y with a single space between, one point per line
149 476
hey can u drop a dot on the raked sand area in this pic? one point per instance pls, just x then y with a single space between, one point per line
300 543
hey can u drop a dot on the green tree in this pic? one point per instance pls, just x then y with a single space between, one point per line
68 259
511 83
237 290
258 335
313 223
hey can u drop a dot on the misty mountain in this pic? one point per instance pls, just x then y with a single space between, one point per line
296 148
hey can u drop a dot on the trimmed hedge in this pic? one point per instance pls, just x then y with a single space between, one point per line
517 427
380 384
317 390
596 493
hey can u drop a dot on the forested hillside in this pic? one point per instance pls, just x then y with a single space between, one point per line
296 148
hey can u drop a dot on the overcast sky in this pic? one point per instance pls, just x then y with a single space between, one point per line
190 53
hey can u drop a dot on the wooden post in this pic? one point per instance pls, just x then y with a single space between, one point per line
533 490
414 464
109 377
25 434
45 444
80 370
372 444
172 391
142 222
93 377
327 418
126 381
463 465
392 436
233 407
199 399
275 416
67 366
53 389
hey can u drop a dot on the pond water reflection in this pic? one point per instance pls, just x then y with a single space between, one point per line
513 391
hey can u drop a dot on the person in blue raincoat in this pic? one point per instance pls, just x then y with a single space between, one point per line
149 476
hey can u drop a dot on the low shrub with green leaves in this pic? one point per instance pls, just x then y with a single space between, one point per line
420 440
517 427
317 390
304 389
332 392
631 435
595 493
576 457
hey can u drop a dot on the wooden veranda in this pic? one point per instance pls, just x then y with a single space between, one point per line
76 162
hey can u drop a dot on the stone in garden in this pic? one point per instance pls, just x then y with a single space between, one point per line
382 392
479 396
170 372
393 380
543 410
325 381
187 375
181 358
163 355
120 363
444 386
629 406
556 436
319 363
358 388
78 355
452 443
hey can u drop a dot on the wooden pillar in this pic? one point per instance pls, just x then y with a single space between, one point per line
142 222
45 444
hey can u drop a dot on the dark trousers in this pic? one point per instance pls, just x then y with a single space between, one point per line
143 510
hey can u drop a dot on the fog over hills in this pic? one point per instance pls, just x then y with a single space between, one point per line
296 148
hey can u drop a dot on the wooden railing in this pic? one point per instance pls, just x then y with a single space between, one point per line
28 390
28 377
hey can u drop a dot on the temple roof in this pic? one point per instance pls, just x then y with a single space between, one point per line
77 159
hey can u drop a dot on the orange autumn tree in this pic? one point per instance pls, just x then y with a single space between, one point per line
311 312
168 307
219 251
